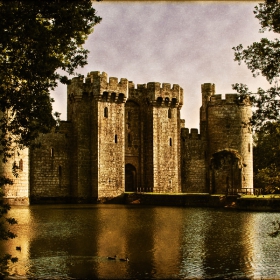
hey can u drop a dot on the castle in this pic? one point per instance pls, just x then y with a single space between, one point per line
119 138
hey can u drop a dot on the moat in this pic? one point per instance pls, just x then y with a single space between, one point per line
74 241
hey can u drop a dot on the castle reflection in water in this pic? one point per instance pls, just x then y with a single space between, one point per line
161 242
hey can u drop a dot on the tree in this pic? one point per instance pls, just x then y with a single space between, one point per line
39 40
267 157
263 58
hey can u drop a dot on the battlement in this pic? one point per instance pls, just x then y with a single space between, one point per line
182 123
207 89
193 134
97 84
161 93
229 99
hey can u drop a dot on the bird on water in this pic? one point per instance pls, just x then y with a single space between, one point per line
112 258
124 260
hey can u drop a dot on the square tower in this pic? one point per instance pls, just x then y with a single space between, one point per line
96 109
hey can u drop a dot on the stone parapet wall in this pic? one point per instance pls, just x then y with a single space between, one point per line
193 158
154 91
95 84
50 166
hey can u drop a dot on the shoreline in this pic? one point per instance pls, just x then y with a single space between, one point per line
264 203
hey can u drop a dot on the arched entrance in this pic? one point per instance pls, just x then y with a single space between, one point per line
226 172
130 178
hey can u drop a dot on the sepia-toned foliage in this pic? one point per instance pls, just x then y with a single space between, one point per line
267 158
263 58
39 40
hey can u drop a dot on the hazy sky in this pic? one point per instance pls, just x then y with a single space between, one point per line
185 43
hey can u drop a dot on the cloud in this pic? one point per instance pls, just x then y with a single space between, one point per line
185 43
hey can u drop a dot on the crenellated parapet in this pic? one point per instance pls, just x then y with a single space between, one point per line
99 86
96 84
187 134
230 99
208 89
157 94
218 100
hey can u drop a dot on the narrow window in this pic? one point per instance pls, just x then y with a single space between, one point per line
249 148
116 138
52 152
20 165
59 175
105 96
106 112
169 113
129 142
128 115
170 142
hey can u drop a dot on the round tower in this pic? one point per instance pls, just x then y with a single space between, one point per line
230 153
17 170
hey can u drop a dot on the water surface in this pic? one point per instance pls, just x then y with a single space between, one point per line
74 241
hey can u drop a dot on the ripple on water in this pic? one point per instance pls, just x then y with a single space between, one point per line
65 242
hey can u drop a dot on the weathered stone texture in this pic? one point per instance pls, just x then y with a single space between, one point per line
111 150
166 144
226 132
18 192
120 137
96 110
133 146
193 162
156 119
49 164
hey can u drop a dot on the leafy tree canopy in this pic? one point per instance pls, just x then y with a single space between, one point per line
267 157
263 58
38 38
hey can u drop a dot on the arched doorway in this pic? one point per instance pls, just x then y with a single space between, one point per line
226 172
130 178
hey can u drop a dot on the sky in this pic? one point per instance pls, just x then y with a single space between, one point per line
186 42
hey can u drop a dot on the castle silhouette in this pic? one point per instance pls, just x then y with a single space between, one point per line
119 138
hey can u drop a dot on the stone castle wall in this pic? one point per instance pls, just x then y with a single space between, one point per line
157 133
96 109
49 163
226 131
194 172
79 107
18 192
111 145
120 137
166 145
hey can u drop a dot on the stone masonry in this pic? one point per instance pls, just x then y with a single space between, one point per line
120 137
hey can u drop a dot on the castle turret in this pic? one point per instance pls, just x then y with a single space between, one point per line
207 90
16 169
96 109
230 153
163 136
153 136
